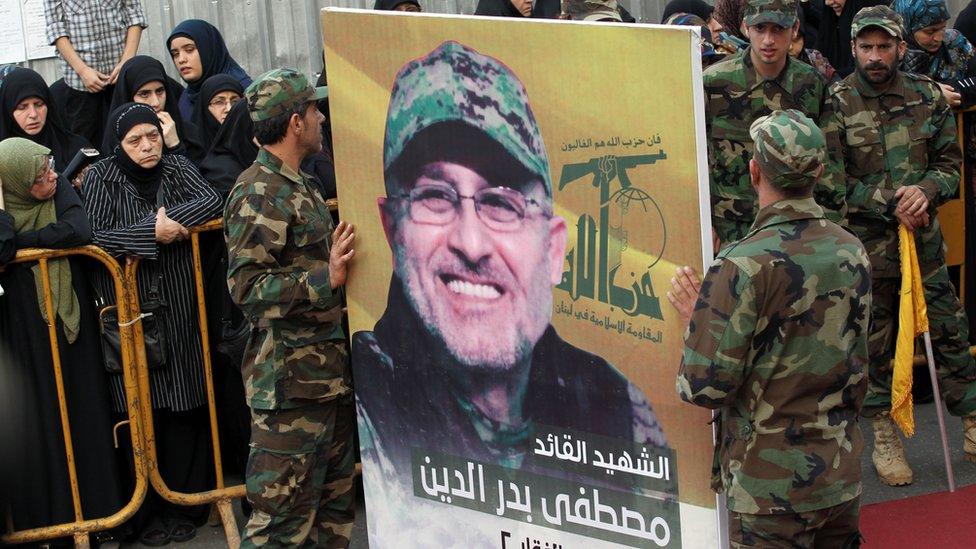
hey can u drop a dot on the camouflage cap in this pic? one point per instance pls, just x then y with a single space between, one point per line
882 17
778 12
279 91
454 83
790 148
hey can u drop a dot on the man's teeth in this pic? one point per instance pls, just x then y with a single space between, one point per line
475 290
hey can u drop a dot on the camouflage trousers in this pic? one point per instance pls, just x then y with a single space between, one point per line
835 527
949 330
300 476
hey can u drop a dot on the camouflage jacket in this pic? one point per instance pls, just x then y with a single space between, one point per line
278 232
735 96
778 344
905 135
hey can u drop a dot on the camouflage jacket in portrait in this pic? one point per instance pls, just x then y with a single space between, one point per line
735 96
778 344
278 232
905 135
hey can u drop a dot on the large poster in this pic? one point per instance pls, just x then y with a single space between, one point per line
522 192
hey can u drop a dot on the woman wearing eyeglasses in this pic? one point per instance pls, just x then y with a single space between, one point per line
47 213
143 80
218 95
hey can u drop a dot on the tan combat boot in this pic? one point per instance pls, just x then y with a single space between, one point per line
969 437
889 454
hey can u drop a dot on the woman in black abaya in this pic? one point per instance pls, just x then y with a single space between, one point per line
834 32
30 111
46 212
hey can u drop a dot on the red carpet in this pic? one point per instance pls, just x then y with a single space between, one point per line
941 520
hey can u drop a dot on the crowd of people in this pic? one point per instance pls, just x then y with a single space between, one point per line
120 155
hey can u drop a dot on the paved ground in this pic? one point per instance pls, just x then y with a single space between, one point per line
924 454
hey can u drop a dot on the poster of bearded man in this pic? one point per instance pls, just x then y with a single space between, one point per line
521 206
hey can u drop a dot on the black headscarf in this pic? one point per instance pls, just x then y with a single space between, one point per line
123 119
541 9
207 125
966 22
834 34
136 73
233 150
390 5
214 59
19 84
694 7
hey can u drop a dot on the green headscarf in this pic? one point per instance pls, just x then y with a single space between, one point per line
21 161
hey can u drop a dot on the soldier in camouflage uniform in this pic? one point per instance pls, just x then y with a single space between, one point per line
896 141
777 343
740 89
285 272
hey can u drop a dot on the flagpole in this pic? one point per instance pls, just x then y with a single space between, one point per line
937 395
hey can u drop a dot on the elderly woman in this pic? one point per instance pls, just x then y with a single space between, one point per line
29 111
140 203
46 212
933 50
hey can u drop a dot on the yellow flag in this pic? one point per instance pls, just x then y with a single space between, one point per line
913 320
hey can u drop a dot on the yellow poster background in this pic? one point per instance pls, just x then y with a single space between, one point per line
586 83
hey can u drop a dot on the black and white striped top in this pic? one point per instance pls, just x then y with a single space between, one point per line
124 224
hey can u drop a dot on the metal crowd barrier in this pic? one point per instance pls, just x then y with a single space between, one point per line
222 495
81 527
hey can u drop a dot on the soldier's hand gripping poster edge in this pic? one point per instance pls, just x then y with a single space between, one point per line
522 192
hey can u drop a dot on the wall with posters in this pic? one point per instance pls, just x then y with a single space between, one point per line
515 358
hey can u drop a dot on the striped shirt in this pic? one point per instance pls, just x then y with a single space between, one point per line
124 224
96 29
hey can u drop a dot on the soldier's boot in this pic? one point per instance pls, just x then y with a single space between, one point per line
889 454
969 437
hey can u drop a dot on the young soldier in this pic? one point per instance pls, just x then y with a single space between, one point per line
740 89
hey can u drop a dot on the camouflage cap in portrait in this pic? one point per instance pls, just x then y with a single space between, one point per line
279 91
790 148
455 84
882 17
777 12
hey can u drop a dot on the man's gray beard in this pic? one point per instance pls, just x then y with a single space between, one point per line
464 346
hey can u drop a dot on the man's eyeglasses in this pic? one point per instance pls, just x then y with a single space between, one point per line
499 208
223 102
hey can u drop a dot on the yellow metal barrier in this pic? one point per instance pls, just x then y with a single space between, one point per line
138 399
82 527
221 495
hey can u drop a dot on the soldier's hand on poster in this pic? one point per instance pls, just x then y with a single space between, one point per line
952 96
911 200
167 230
340 254
685 287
